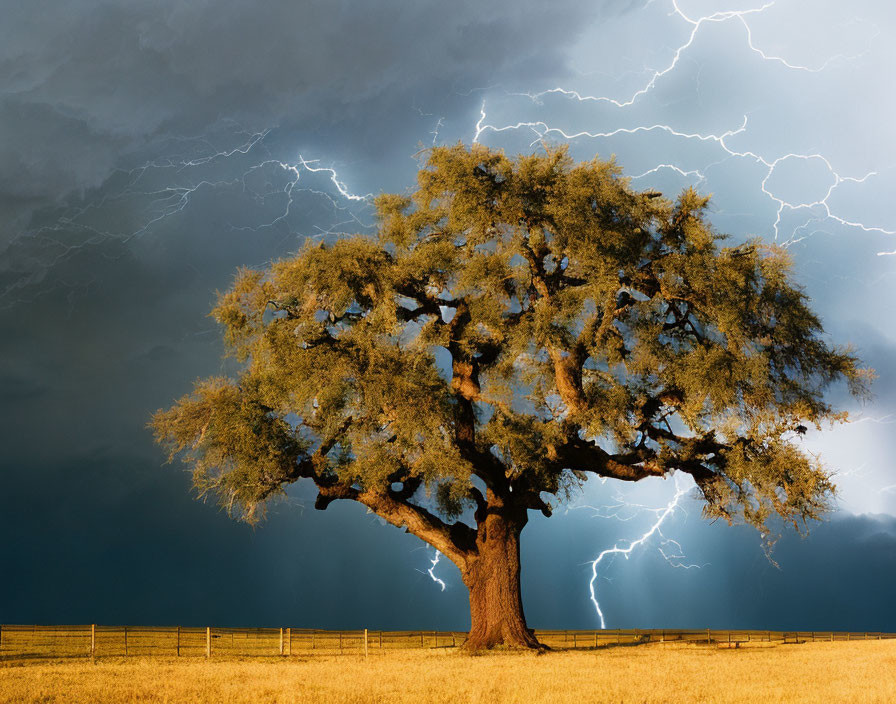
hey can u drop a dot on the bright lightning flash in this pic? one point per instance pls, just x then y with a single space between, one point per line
432 566
661 515
819 209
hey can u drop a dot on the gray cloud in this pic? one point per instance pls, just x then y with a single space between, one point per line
108 269
95 80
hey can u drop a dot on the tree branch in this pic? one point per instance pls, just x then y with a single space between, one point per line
457 541
585 456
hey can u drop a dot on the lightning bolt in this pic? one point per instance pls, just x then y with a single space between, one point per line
541 130
432 566
340 186
182 181
696 25
888 419
662 514
819 209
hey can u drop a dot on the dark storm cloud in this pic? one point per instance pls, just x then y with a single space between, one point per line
87 81
104 315
112 326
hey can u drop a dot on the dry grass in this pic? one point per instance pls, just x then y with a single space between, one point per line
811 672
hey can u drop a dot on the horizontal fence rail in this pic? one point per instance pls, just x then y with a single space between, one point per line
181 641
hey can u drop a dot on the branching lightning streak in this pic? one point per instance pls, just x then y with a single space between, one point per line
169 200
661 515
432 566
340 186
696 24
888 419
541 130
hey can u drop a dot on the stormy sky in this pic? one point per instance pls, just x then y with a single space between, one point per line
149 149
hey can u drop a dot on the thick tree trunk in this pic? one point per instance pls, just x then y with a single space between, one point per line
493 578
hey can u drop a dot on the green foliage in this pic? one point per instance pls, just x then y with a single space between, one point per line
239 449
591 329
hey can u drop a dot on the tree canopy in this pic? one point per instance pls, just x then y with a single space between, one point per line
513 327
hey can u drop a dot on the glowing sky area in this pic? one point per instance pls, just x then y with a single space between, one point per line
148 152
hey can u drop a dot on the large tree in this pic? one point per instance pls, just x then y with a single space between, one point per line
514 327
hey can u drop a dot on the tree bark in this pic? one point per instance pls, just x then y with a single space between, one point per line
493 578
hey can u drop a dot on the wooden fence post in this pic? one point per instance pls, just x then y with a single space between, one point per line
178 641
381 640
365 642
289 641
125 641
281 641
208 642
92 641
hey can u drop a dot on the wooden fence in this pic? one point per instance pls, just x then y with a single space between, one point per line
179 641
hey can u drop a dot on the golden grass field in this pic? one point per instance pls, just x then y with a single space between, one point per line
652 673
